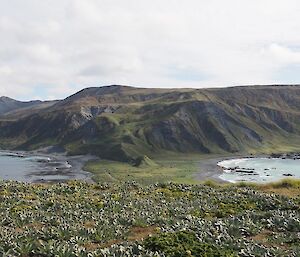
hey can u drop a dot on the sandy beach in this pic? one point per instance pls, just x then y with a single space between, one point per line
209 170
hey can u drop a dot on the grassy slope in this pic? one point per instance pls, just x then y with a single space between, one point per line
133 125
182 170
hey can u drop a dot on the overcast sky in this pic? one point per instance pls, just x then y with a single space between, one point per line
52 48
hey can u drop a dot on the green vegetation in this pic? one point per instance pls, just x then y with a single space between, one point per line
184 243
180 171
153 136
126 124
288 187
163 219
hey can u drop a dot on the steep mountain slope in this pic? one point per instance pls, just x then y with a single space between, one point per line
126 123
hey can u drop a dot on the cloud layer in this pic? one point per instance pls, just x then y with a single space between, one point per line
50 48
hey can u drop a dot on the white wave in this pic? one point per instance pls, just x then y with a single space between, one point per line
231 163
38 158
68 165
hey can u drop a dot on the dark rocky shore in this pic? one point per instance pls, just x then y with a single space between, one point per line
54 162
294 156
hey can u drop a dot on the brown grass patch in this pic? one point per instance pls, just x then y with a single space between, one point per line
36 225
95 246
135 233
139 233
19 230
262 236
289 192
289 187
89 224
286 187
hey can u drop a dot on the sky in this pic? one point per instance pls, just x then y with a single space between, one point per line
52 48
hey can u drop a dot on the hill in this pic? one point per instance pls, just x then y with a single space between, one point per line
126 123
13 108
8 104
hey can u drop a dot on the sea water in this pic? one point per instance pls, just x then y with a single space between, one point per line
18 167
264 169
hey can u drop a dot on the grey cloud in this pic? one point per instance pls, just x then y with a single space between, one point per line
55 47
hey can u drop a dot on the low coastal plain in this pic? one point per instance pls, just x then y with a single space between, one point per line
43 166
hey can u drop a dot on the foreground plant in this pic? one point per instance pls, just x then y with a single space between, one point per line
80 219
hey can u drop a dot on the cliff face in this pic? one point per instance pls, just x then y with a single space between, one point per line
125 123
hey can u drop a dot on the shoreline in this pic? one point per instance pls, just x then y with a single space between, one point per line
208 168
77 162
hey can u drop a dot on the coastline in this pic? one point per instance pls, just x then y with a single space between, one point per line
208 168
72 167
76 162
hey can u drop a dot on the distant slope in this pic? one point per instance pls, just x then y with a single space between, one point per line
8 104
12 107
126 123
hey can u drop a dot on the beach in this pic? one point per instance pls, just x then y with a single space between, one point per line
54 166
209 169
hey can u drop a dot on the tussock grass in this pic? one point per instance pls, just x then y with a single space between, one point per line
289 187
212 183
285 183
162 219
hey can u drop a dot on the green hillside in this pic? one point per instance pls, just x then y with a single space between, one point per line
126 124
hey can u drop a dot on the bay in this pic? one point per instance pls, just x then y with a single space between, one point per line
38 168
259 169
